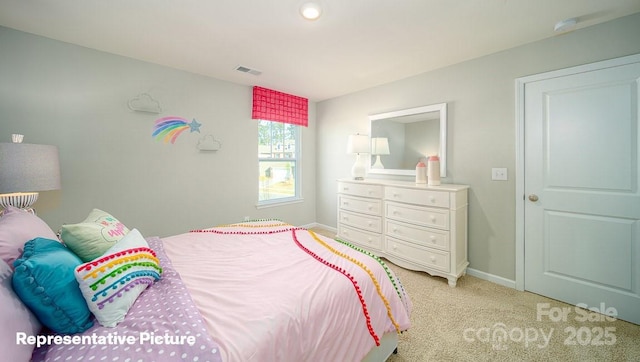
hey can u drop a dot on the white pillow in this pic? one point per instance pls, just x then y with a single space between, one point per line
112 282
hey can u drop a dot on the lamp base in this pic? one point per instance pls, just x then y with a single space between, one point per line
21 200
358 171
378 164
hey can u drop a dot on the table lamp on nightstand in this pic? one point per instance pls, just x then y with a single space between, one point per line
26 169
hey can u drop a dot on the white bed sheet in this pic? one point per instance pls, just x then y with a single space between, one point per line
264 298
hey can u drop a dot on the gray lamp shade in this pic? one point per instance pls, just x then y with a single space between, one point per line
27 167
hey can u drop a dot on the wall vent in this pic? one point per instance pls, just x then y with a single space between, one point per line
244 69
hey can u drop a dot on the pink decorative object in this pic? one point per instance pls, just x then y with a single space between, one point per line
434 171
421 173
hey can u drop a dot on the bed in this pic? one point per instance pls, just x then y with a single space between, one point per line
262 290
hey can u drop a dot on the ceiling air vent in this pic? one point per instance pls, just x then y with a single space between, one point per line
244 69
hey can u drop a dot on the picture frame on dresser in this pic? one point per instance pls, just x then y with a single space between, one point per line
414 226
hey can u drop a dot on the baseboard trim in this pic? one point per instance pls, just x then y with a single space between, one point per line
321 226
470 271
492 278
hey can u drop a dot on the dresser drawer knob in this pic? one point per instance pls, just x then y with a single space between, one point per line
433 258
395 195
369 240
370 206
432 218
395 229
432 199
433 239
395 246
370 223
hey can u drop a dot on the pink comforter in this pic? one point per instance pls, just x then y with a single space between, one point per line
272 292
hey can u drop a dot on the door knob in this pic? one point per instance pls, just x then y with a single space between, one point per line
533 197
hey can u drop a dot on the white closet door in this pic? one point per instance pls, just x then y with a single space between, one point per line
581 181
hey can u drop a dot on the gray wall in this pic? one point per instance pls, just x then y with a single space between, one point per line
481 107
76 98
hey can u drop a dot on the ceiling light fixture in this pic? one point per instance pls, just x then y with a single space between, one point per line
565 24
310 11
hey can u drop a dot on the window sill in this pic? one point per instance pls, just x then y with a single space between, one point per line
272 203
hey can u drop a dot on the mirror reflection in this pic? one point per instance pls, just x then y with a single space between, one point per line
400 139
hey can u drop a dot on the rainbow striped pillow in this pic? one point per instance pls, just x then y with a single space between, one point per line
112 282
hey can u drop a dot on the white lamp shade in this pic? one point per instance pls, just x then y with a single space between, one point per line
379 146
28 168
358 143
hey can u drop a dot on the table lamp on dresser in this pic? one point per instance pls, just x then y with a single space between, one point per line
25 170
358 144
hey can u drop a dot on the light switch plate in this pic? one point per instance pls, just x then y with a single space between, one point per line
499 174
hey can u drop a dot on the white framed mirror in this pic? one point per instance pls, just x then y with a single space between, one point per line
400 139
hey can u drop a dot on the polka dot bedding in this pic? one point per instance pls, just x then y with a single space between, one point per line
163 325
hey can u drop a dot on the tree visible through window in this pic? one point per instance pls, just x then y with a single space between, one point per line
278 156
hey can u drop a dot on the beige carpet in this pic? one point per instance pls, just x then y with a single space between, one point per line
461 323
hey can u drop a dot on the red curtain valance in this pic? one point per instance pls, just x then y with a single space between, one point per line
270 105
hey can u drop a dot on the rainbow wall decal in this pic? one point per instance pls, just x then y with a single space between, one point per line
169 128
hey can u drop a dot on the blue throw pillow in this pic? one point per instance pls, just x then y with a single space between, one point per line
45 282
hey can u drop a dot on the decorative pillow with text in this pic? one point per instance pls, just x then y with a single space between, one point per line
95 235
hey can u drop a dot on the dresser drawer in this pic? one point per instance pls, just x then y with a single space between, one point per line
432 238
367 206
435 218
419 197
364 190
428 257
366 222
367 240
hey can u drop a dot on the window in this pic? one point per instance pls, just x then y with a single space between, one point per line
280 116
278 162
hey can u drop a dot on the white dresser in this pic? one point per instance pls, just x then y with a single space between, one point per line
417 227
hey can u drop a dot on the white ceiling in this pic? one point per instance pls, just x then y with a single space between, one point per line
356 44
